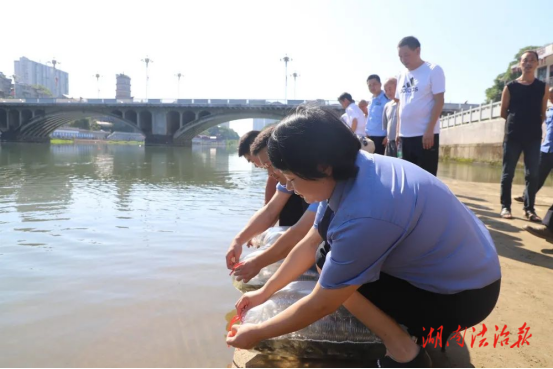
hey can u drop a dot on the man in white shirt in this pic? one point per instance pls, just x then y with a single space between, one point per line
420 91
356 118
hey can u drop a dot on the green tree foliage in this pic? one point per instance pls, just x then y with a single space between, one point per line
42 91
85 123
493 93
222 133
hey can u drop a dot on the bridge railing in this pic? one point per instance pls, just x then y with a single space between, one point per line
477 114
214 102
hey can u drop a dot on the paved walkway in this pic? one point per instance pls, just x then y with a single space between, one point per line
526 291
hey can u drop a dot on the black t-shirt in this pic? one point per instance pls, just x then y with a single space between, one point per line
292 211
524 114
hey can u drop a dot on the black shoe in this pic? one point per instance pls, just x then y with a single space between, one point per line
422 360
519 199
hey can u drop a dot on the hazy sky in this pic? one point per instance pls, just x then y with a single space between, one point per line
232 49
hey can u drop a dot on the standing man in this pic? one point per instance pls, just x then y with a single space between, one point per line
420 94
356 118
523 105
389 117
374 128
546 154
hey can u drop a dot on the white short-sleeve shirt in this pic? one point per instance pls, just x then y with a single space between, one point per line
415 91
355 112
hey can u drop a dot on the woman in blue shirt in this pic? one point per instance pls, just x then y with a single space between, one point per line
401 248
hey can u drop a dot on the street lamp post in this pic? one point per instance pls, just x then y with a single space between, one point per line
98 83
295 75
286 60
179 76
147 60
54 62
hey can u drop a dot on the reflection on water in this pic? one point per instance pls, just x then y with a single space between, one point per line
114 255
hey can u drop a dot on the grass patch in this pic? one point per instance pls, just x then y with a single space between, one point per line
57 141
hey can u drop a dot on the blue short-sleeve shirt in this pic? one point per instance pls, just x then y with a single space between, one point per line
396 218
547 145
312 207
374 118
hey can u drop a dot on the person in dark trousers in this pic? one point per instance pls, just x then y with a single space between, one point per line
378 100
523 105
545 230
546 153
420 91
402 249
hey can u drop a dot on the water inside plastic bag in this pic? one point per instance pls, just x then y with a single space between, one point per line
338 335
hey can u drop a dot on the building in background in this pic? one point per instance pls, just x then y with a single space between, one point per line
123 87
5 86
260 123
31 73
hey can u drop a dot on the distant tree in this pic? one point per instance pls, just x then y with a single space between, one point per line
86 123
222 133
42 91
493 94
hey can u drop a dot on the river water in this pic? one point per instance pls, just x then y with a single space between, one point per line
114 255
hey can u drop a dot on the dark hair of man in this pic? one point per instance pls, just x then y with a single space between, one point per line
374 76
310 140
245 142
346 96
409 41
261 140
531 52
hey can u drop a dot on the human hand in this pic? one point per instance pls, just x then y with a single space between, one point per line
398 139
249 243
244 336
385 141
233 254
247 270
250 300
428 140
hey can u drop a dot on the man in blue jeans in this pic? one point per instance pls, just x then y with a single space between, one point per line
546 154
523 105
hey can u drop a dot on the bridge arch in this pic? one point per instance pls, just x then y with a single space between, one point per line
131 116
187 117
203 113
3 120
117 113
146 121
172 120
14 120
188 131
26 116
43 126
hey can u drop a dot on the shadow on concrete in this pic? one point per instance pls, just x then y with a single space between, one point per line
476 206
506 243
471 198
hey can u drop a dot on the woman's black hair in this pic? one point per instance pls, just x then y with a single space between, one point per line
310 140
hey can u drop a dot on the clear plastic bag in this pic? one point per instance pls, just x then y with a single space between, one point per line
269 237
337 335
266 273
